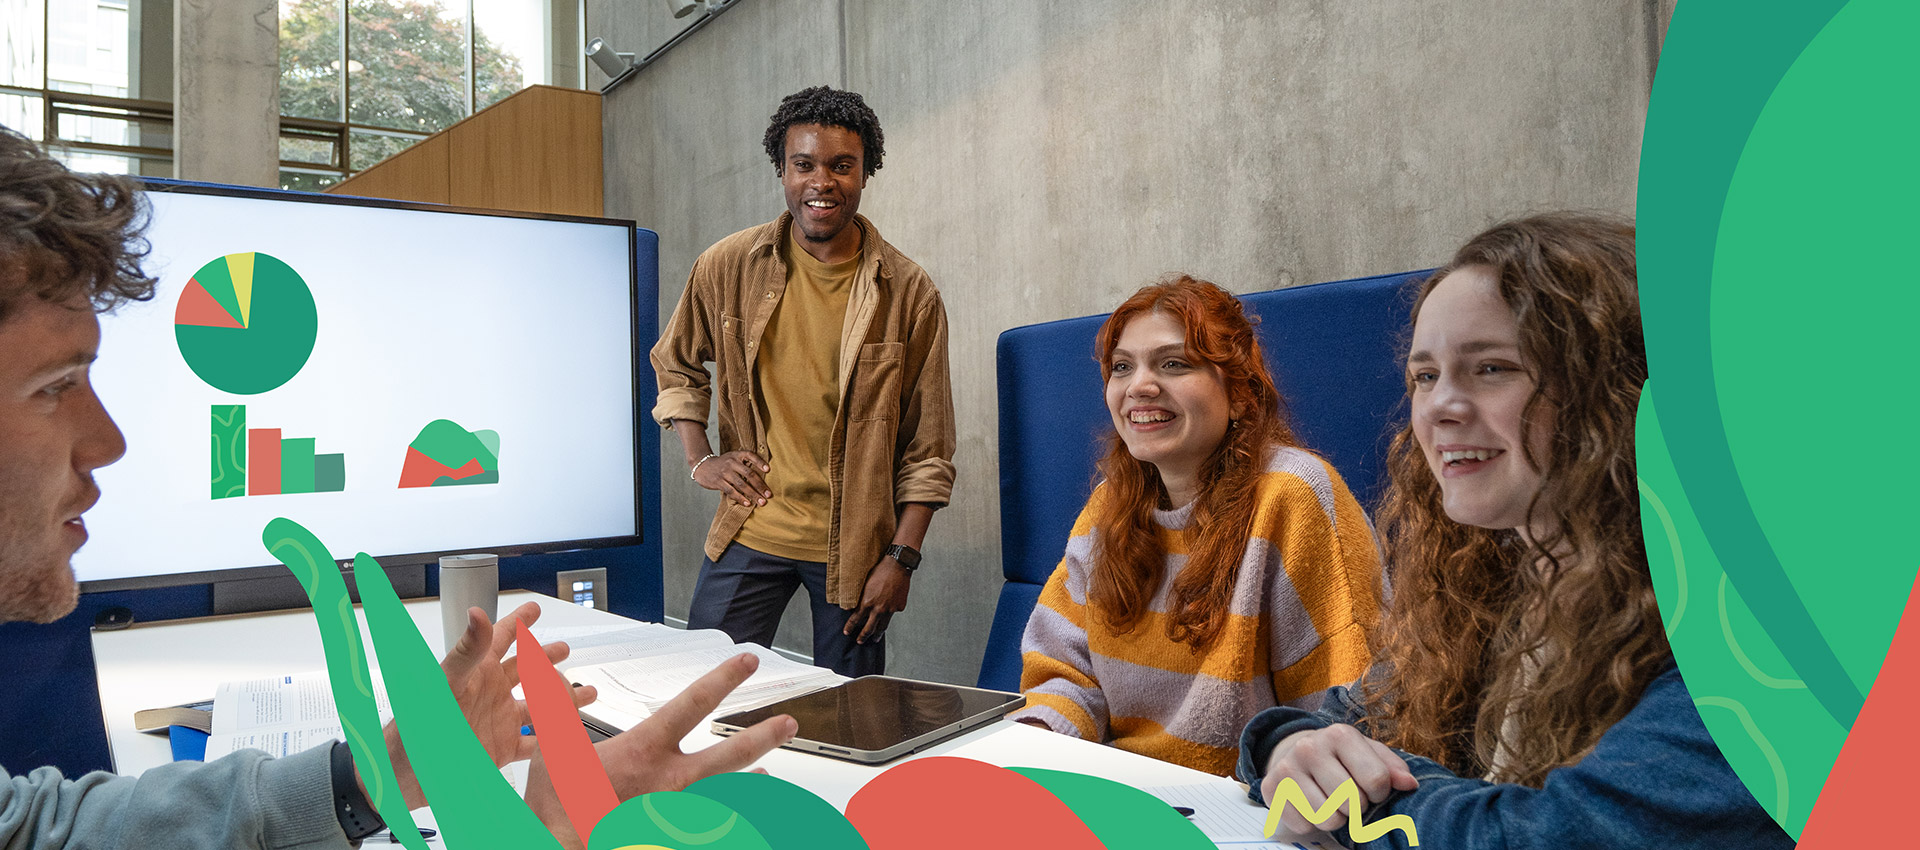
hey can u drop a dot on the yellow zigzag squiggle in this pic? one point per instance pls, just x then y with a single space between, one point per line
1289 794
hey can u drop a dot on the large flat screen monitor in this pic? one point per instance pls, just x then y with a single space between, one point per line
403 380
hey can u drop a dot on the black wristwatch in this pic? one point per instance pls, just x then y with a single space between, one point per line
908 556
357 817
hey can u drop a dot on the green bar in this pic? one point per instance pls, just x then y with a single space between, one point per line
229 454
329 473
296 465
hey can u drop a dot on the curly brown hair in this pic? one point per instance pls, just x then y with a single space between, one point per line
1531 648
1130 559
65 235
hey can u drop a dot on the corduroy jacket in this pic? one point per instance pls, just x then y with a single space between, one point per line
893 435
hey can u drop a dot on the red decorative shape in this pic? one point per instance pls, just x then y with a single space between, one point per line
948 803
198 308
263 461
1867 789
421 471
579 779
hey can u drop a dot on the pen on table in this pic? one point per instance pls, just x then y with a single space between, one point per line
1184 811
526 730
390 838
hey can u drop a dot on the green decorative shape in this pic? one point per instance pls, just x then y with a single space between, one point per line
273 347
452 446
329 473
1772 729
676 819
471 800
1775 168
1720 64
1121 816
788 816
1771 341
228 478
312 564
296 465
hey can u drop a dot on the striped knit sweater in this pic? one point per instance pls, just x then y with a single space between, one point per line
1307 596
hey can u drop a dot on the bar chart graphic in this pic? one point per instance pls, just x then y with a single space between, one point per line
264 462
246 323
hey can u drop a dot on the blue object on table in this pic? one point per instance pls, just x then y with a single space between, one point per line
189 744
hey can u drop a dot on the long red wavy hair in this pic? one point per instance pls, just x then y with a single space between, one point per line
1530 648
1129 560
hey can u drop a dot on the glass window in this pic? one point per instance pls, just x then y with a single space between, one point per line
23 113
305 181
88 46
510 50
310 59
366 149
408 64
22 56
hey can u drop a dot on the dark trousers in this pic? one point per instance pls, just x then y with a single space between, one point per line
745 592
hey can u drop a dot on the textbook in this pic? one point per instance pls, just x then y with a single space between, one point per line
280 715
193 715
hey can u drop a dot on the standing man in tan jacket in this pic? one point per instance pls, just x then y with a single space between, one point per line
836 413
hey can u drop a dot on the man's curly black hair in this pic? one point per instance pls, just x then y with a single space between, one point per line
828 107
65 235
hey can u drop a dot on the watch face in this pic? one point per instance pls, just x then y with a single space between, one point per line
907 557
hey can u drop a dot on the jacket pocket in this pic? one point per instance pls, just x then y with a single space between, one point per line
734 362
875 389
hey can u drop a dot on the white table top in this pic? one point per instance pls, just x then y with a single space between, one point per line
158 664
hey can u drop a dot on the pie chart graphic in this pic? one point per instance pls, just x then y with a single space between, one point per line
246 323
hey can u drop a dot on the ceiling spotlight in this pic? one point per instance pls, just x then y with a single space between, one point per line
683 8
612 64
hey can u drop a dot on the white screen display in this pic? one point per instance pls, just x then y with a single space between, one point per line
518 331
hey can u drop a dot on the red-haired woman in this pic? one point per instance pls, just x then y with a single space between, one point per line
1526 695
1219 569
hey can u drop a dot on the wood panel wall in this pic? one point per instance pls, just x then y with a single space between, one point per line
536 151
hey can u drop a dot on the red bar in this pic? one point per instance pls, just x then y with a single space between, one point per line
263 461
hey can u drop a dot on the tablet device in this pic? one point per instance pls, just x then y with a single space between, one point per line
874 719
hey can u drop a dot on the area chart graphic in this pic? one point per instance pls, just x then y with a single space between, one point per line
446 454
246 323
261 462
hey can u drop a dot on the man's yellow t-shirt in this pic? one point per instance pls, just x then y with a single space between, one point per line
798 370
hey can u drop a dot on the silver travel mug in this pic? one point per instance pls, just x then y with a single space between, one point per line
467 581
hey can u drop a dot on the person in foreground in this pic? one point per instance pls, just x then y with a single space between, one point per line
1525 694
1219 569
69 247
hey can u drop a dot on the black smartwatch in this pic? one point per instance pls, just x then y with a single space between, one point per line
357 817
908 556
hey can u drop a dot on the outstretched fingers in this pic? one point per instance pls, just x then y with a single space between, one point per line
681 713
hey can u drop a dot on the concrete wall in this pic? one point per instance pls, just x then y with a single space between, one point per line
226 95
1044 160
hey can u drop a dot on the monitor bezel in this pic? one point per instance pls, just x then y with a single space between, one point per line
391 561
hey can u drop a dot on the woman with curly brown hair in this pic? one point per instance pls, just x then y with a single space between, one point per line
1219 569
1525 694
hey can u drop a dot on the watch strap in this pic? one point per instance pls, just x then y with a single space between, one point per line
357 816
907 556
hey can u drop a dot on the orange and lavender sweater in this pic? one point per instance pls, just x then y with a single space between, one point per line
1307 596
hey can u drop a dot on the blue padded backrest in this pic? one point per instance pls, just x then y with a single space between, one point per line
1334 349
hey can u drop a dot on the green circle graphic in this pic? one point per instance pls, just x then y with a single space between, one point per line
246 323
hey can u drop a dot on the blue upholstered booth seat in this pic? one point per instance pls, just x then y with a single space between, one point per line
1334 349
